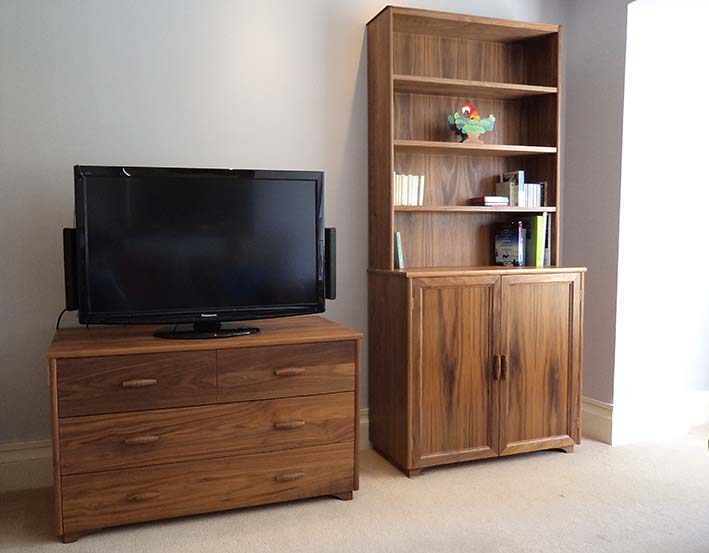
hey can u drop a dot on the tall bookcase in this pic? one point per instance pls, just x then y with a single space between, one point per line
466 360
422 66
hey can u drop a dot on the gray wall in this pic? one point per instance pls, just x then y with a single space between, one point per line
595 73
175 82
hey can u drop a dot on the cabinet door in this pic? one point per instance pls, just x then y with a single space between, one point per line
540 389
454 392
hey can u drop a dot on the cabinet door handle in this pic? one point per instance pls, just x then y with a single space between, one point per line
144 496
288 476
496 367
141 440
139 383
505 368
288 425
293 371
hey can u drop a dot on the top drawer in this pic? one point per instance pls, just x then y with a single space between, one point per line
95 385
285 371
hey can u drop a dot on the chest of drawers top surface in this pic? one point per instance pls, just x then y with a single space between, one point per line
98 341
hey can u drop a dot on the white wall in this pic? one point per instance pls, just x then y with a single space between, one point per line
662 336
181 83
595 64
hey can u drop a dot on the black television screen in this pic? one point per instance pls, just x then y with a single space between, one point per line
169 245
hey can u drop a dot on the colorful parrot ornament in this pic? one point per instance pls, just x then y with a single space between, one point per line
467 123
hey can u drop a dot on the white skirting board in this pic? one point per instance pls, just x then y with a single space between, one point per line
597 420
25 465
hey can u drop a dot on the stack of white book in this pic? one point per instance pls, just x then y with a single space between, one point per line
408 189
521 193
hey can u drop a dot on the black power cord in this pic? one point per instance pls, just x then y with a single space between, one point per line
59 318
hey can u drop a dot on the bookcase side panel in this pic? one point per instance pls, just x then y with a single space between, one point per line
389 380
381 152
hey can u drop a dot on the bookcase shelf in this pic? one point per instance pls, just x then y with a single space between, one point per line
472 209
413 84
422 66
469 149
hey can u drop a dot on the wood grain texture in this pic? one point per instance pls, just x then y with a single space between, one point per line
453 180
414 84
389 382
540 339
124 440
356 411
455 408
529 122
56 448
429 22
470 59
473 209
95 385
431 147
286 371
476 271
103 499
96 341
379 101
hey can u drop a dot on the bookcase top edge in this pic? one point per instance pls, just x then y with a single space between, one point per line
539 28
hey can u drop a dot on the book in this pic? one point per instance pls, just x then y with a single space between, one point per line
490 200
512 185
510 243
535 228
408 190
547 244
398 251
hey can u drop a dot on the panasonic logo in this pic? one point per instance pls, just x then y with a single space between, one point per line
208 315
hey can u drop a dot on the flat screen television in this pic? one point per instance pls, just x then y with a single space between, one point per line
199 246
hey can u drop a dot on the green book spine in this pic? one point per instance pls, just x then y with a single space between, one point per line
398 252
538 235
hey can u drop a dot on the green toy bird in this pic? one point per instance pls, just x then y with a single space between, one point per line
470 124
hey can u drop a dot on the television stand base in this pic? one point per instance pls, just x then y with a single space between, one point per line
204 330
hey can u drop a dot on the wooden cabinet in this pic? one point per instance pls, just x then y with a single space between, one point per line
466 360
487 363
455 408
540 336
146 428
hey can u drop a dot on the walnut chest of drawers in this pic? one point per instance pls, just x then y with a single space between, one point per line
146 428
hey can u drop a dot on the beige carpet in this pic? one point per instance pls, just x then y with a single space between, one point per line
644 498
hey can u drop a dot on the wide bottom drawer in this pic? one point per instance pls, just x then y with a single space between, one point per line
102 499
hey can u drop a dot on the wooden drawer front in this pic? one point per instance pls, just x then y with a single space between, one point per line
103 499
94 385
125 440
282 371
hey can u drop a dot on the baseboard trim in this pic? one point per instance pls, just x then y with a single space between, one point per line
364 442
597 420
25 465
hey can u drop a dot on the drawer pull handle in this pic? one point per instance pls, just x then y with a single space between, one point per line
141 440
288 425
294 371
144 496
289 476
140 383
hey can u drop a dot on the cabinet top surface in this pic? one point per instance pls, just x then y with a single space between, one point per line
132 339
417 272
423 21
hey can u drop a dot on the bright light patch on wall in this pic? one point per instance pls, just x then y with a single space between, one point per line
662 332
